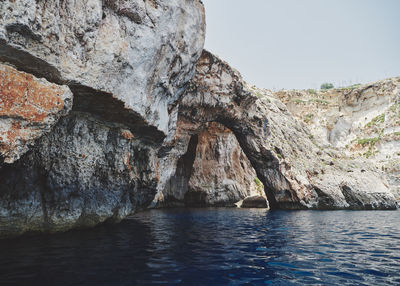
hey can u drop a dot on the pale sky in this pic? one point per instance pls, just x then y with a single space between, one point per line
302 43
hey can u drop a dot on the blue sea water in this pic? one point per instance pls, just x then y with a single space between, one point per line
214 247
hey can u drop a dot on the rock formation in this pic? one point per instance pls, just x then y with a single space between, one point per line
296 172
110 107
221 171
29 108
214 171
136 55
127 64
254 202
361 121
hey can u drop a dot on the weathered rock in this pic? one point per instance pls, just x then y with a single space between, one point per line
139 53
254 202
218 94
211 171
222 174
363 121
29 108
82 173
339 116
287 160
127 64
138 131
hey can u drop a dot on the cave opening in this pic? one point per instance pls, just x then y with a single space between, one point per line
178 184
255 158
196 184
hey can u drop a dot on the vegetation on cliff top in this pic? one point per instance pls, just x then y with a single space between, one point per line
327 85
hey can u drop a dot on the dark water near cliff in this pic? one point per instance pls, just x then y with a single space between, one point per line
214 247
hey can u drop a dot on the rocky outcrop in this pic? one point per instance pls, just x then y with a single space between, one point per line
362 121
82 173
127 64
155 122
29 108
296 172
339 116
222 174
254 202
138 54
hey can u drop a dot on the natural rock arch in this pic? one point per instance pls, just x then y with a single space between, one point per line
212 169
295 171
217 94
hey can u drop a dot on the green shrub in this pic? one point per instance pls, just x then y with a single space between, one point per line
327 85
321 101
312 91
378 119
308 117
369 153
299 100
353 86
368 141
260 186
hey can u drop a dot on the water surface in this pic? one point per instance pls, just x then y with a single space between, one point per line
214 247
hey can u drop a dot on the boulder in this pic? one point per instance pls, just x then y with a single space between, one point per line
255 202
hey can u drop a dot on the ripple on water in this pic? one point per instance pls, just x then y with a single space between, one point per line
214 247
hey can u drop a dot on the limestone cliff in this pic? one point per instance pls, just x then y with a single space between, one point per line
124 64
136 54
110 107
222 174
296 172
362 121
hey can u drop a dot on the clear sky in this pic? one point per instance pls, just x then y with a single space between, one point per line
302 43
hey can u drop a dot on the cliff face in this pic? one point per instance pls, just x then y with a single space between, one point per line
83 172
110 107
124 65
296 172
362 121
137 54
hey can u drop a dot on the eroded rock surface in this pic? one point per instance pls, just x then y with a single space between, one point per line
222 174
139 52
127 64
296 172
82 173
362 121
212 170
29 108
254 202
142 130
